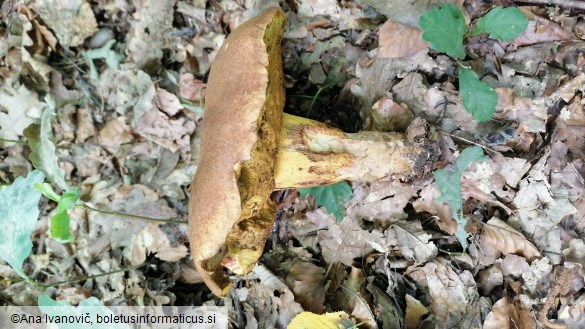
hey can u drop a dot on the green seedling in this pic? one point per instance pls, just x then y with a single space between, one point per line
449 184
444 27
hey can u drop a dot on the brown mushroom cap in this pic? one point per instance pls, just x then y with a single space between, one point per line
230 210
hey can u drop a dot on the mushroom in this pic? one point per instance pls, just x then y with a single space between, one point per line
249 149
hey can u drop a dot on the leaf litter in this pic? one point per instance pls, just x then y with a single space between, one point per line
127 135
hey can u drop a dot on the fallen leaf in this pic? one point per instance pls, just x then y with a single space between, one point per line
507 240
415 311
72 21
540 30
412 241
346 240
499 317
306 280
146 38
22 107
396 40
450 299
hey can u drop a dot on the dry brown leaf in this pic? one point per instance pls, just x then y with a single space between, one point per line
540 30
499 317
539 271
152 240
512 169
489 279
190 88
540 209
450 298
72 21
307 281
530 114
574 315
85 127
387 115
381 202
428 202
167 102
21 108
415 311
396 40
115 133
412 241
269 294
147 36
172 134
507 240
514 265
345 240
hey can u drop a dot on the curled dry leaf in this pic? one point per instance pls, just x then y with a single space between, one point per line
507 240
307 281
499 317
415 311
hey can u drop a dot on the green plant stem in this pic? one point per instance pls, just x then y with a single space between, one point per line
12 141
129 216
47 285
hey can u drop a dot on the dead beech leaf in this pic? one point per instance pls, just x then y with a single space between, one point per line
540 30
115 133
428 202
540 209
499 317
307 280
450 297
146 39
269 294
346 240
72 21
167 102
412 241
507 240
415 311
574 315
382 202
396 40
152 240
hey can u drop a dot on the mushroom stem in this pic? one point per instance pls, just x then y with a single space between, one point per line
313 154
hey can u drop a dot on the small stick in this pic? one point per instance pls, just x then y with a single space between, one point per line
560 3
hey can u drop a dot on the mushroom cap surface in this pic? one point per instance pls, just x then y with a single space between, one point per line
230 210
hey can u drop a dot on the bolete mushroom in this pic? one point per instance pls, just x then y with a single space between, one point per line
249 148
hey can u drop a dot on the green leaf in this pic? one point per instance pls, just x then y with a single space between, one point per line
112 58
449 183
502 23
85 313
43 155
444 28
332 197
47 191
19 212
479 99
60 221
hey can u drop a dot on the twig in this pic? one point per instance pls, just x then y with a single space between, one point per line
468 141
119 214
560 3
46 285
